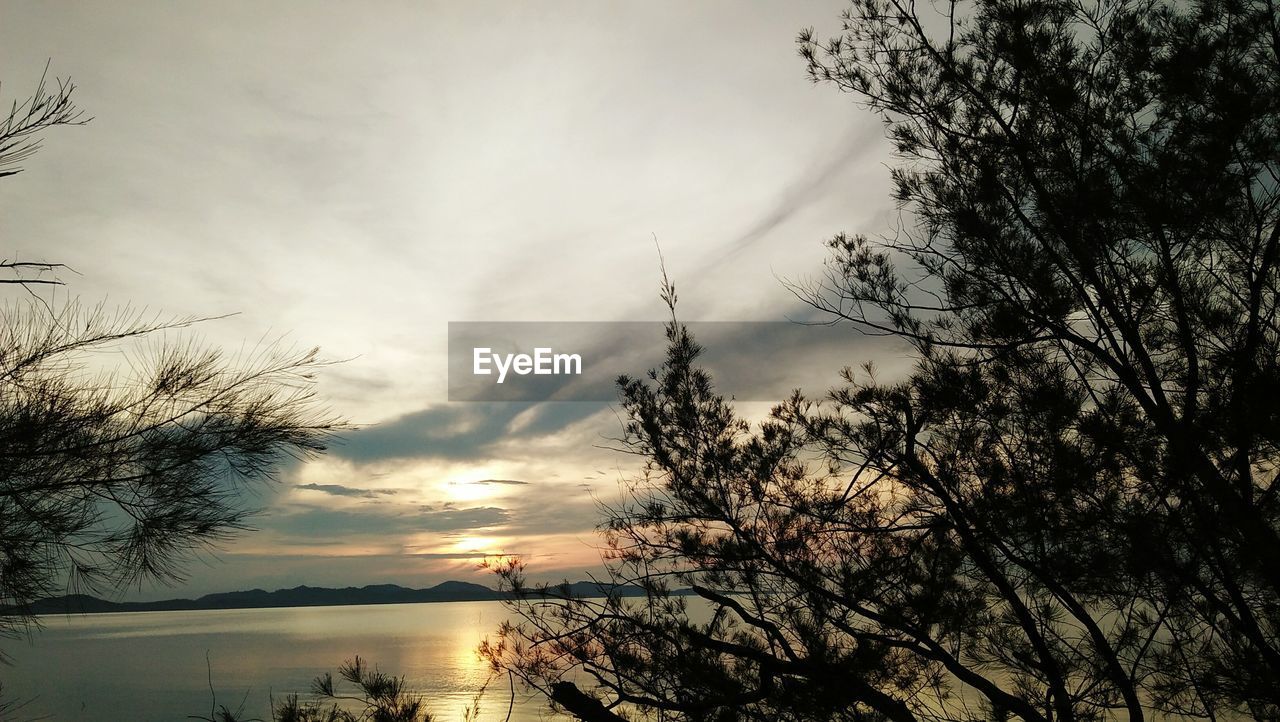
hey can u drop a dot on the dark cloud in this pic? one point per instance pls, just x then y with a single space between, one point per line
748 361
511 482
340 490
809 187
462 431
751 361
459 431
324 525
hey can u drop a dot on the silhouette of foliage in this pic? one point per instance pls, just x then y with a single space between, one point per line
379 696
1067 509
20 129
125 447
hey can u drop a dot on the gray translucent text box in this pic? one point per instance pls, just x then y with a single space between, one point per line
581 361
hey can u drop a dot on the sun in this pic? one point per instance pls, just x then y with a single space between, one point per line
480 545
469 492
476 485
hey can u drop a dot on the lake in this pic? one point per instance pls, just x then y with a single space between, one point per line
150 666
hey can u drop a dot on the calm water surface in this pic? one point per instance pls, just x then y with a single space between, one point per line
150 666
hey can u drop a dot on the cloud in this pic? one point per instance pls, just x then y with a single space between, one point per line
459 519
340 490
463 432
511 482
748 361
561 508
314 525
752 360
808 187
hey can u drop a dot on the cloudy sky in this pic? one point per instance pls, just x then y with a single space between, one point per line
357 176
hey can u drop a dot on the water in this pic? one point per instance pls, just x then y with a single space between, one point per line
150 666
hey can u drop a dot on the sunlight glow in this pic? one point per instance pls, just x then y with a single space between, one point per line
480 545
469 492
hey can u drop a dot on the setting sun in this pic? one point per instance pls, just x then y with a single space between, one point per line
481 545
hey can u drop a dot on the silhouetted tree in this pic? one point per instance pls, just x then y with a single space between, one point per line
124 447
19 139
1068 509
381 698
377 697
20 129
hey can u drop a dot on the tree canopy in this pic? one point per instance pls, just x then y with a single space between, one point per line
1068 508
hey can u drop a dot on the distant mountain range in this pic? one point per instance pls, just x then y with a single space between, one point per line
309 597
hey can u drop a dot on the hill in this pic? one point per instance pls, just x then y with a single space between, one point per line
305 596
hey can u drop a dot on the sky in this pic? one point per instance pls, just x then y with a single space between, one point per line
358 176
